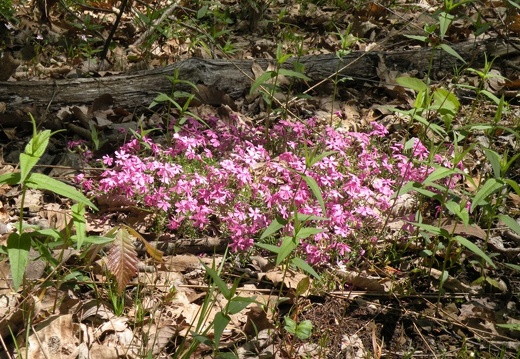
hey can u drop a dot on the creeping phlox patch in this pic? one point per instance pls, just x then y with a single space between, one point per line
224 176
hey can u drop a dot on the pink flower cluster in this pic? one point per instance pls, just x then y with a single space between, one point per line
224 177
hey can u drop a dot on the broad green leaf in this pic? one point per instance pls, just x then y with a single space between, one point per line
266 76
202 339
269 247
94 134
274 227
452 52
202 12
10 178
432 229
511 326
408 145
304 329
286 248
33 152
426 192
290 325
49 232
291 73
221 285
309 217
495 160
307 232
406 187
491 96
476 250
455 208
412 83
98 240
78 218
18 252
237 304
318 158
444 276
445 21
491 186
513 266
416 37
220 323
510 222
43 182
445 102
438 174
304 266
316 191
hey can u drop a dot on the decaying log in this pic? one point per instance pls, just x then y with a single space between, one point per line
235 76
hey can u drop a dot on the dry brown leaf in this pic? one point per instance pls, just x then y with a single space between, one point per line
289 278
463 229
162 338
214 97
52 337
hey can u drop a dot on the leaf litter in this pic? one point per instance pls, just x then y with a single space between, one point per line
373 313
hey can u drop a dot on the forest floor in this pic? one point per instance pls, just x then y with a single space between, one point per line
421 293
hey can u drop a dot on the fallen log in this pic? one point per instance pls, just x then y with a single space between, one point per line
235 77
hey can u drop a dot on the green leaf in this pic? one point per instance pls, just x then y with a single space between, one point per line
290 325
18 252
452 52
269 247
202 12
495 160
304 329
10 178
226 292
476 250
33 152
261 80
291 73
237 304
309 217
510 222
446 103
307 232
98 240
416 37
274 227
491 186
445 21
316 191
491 96
511 326
78 218
412 83
455 208
438 174
444 276
513 266
304 266
288 245
318 158
43 182
432 229
220 323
